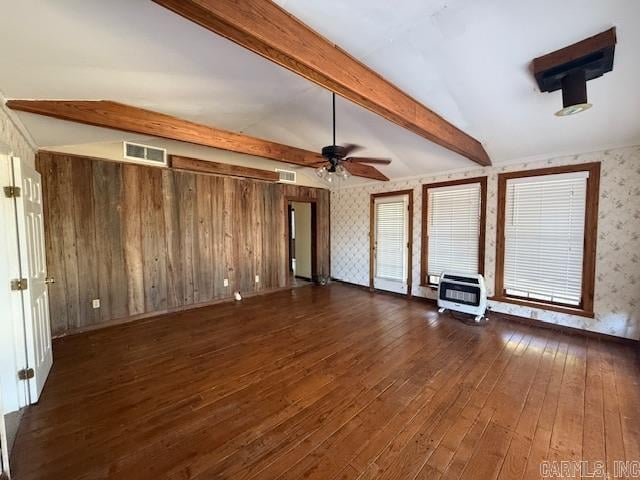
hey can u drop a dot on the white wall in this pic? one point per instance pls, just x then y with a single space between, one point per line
617 289
303 238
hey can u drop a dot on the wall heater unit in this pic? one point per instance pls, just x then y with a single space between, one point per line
462 293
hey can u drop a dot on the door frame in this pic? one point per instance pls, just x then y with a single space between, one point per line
314 235
372 226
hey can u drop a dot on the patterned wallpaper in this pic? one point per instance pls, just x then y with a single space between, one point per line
11 137
617 289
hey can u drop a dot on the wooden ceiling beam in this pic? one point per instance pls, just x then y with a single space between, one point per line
270 31
118 116
178 162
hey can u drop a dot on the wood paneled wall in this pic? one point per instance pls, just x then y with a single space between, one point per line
147 239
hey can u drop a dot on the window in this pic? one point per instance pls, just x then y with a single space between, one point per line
546 237
453 226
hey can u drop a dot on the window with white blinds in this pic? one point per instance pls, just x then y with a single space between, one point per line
391 238
453 229
544 237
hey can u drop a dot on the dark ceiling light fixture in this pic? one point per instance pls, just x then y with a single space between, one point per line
574 94
571 67
337 160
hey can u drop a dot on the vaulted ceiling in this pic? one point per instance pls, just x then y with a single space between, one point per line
468 60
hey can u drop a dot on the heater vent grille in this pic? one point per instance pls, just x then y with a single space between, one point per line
458 296
145 154
286 176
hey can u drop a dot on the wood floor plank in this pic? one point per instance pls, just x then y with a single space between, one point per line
345 385
593 438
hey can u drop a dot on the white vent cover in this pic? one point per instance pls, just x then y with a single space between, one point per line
286 176
145 154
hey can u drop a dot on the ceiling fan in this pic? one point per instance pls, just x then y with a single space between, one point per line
338 165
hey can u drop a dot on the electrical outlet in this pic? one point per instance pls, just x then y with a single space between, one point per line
257 278
225 282
96 303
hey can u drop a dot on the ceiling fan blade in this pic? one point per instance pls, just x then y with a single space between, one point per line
350 147
363 170
378 161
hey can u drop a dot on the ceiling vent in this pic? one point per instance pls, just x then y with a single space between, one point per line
286 176
145 154
570 68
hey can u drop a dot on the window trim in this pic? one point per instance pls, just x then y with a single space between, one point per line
590 239
424 254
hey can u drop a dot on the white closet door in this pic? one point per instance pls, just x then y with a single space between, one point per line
33 266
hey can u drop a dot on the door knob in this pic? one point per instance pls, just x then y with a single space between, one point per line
49 280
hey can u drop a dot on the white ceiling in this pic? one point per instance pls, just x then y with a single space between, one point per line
466 59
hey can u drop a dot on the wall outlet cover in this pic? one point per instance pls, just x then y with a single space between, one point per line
96 303
257 278
225 282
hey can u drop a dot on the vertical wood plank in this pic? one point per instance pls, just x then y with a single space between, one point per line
186 197
55 251
132 238
228 222
82 195
203 265
173 240
241 229
153 234
217 237
112 279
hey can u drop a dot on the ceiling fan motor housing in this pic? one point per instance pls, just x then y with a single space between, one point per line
333 154
333 151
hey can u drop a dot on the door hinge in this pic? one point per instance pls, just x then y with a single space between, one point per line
11 192
26 373
19 284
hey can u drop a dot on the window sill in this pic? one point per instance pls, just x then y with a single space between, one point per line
432 287
544 306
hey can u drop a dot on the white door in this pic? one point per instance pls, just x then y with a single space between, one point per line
33 268
391 243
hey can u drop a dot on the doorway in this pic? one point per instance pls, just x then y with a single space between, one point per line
391 241
301 244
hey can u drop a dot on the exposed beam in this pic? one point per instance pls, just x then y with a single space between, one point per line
270 31
103 113
118 116
178 162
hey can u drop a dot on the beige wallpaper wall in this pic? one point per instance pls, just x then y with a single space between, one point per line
12 139
617 293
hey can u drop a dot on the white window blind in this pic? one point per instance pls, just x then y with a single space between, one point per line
391 239
453 229
544 237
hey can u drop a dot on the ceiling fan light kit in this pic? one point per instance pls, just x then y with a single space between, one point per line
335 168
570 68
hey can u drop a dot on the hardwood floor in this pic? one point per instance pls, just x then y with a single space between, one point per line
327 383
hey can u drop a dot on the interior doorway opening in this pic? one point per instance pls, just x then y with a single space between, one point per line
301 222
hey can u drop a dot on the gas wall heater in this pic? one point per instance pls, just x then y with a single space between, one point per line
462 293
